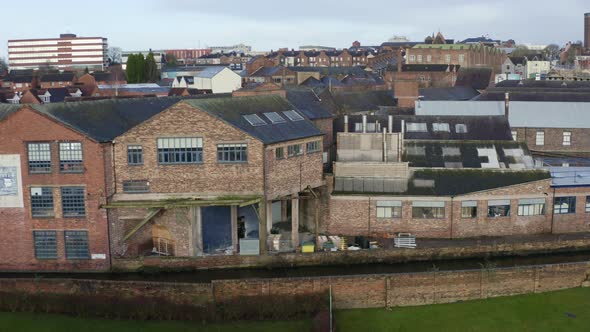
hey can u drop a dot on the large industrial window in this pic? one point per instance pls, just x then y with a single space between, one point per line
136 186
531 207
461 128
428 210
232 153
76 244
564 205
587 204
70 157
72 201
42 202
45 243
418 127
499 208
39 155
567 138
389 209
314 146
469 209
280 153
441 127
540 138
295 150
135 155
186 150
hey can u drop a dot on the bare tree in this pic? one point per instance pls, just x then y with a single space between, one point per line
115 55
551 52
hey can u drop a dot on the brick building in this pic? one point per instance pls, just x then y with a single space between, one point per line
464 55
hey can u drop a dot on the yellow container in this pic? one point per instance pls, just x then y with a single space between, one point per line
307 247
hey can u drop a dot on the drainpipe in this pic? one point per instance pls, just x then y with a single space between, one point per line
401 140
507 105
364 124
384 145
552 209
346 123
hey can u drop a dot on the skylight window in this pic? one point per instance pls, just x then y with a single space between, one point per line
416 127
274 117
254 120
460 128
293 116
437 127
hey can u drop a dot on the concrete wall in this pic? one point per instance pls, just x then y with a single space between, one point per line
226 81
367 147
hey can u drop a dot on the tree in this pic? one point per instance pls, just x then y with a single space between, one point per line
551 52
520 50
86 71
135 68
171 60
114 55
3 66
151 69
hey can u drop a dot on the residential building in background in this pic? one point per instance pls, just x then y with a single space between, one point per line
159 56
239 48
66 52
188 56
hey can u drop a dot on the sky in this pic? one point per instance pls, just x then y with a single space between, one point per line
270 24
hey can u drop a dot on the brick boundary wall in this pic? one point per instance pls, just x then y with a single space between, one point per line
349 257
360 291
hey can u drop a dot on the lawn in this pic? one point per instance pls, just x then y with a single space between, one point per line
567 310
55 323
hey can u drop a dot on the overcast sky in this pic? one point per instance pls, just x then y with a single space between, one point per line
270 24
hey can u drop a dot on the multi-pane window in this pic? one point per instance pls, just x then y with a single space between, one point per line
499 208
448 58
564 205
185 150
70 157
469 209
587 204
45 243
461 58
540 138
295 150
514 135
531 207
280 153
232 153
76 245
39 155
135 155
440 127
428 210
416 127
428 58
461 128
314 146
42 202
73 202
389 209
136 186
567 138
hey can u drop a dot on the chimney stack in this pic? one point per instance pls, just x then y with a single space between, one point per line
346 123
507 105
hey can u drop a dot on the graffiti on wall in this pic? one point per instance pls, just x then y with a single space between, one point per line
8 181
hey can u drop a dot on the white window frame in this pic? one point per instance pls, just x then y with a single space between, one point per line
540 138
567 138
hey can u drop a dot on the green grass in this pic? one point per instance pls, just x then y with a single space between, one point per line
22 322
535 312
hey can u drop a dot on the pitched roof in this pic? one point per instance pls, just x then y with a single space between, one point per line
267 71
102 76
308 102
430 68
537 95
103 120
453 93
552 84
7 109
364 101
209 72
477 78
62 77
232 110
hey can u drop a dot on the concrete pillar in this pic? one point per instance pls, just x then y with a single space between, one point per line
198 232
284 208
234 228
262 228
295 221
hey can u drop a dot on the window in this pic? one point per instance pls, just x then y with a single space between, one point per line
73 202
389 209
70 157
76 245
274 117
514 135
293 115
39 155
461 58
232 153
412 58
469 209
416 127
428 210
448 58
540 138
314 146
134 155
45 99
428 58
45 244
280 153
180 150
567 138
564 205
42 202
460 128
295 150
254 120
136 186
587 204
419 58
499 208
441 127
531 207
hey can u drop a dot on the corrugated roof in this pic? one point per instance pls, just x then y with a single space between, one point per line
232 110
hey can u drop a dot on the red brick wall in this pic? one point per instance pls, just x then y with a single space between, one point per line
580 139
16 239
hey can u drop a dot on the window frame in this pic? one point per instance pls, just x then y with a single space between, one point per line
39 153
70 205
198 152
568 141
135 151
77 167
52 244
292 152
497 207
125 186
587 204
314 148
531 209
571 209
44 202
67 250
280 153
514 134
388 209
240 149
540 137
